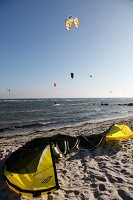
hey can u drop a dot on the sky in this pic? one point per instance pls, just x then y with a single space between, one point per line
37 51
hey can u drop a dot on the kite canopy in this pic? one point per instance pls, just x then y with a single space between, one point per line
31 171
72 75
8 90
119 132
70 20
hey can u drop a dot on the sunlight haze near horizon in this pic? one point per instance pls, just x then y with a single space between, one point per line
37 51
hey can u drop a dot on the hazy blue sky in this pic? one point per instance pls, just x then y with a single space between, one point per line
36 50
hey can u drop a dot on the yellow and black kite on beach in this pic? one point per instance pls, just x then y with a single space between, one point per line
31 171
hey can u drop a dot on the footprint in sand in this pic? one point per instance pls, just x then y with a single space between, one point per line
96 194
102 187
124 161
124 194
114 179
125 172
93 185
100 178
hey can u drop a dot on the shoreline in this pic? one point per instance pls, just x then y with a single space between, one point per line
79 124
104 173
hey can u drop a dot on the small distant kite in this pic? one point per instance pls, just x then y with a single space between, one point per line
8 90
72 75
54 84
90 76
69 21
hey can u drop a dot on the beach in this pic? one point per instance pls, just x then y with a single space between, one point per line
103 173
66 100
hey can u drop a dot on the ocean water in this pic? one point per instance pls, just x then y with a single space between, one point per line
24 116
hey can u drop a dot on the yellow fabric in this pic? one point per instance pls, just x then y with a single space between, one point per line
119 132
76 22
69 25
70 21
44 178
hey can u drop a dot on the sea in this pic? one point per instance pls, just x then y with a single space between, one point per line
26 116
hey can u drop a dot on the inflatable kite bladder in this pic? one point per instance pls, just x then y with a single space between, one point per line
119 132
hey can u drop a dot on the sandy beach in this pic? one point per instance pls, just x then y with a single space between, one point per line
104 173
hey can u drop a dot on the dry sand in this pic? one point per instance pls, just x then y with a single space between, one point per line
104 173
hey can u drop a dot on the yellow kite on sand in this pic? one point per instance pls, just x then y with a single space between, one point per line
119 132
31 171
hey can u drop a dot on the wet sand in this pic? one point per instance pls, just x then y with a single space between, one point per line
104 173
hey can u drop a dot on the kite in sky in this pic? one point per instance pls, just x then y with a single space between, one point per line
8 90
69 21
72 75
